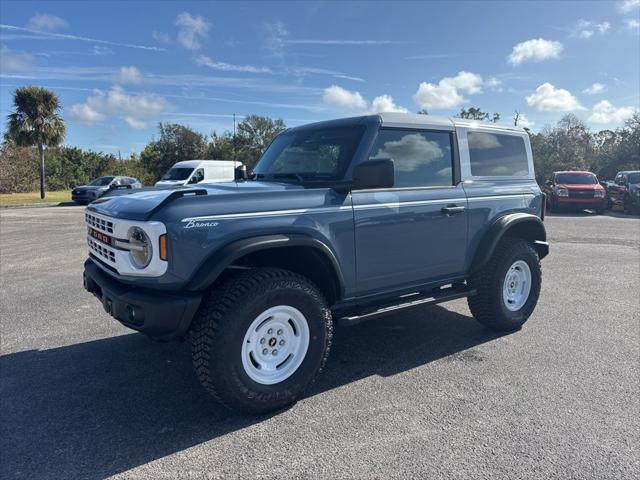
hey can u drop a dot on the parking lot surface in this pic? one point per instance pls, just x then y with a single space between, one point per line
423 393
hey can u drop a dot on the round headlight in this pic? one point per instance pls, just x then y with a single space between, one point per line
140 249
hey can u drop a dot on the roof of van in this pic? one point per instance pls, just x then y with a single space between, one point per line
196 163
412 120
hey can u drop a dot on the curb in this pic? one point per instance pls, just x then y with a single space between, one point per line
38 205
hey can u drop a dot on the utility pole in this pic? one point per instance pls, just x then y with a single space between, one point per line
234 126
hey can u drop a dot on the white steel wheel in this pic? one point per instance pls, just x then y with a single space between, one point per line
516 286
275 345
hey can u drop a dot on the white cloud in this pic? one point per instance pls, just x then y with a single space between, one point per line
85 113
587 28
524 122
410 151
605 112
494 84
448 92
128 75
191 30
385 103
64 36
275 39
628 5
535 50
548 98
135 123
133 108
341 97
47 23
13 62
205 61
161 37
632 24
595 89
98 50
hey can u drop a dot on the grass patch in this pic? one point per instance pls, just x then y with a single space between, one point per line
34 198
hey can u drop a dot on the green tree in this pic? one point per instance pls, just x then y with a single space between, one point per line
36 122
255 133
176 143
474 113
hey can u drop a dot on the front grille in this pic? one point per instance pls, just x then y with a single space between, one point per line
102 251
104 226
581 193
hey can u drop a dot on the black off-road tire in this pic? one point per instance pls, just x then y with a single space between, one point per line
220 326
488 305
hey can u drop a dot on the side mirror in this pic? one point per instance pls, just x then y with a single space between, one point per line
240 173
377 173
548 183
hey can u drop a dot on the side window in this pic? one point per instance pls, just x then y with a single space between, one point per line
497 155
198 176
421 158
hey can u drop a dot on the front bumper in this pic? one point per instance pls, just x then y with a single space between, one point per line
160 315
600 202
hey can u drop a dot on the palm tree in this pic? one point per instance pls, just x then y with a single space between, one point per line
36 121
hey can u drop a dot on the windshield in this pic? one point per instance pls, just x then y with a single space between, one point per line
178 173
634 178
310 154
102 181
576 178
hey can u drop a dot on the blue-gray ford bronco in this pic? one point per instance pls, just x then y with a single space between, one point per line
339 221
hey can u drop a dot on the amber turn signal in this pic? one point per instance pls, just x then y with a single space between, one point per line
163 247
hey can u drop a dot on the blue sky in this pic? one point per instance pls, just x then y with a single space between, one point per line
121 67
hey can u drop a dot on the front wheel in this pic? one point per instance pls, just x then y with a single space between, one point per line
260 339
508 287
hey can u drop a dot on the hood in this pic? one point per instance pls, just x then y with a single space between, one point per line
141 204
579 186
88 188
162 183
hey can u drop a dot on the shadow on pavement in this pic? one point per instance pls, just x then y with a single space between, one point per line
95 409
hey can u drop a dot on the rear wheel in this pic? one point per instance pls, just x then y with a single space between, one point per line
260 339
508 287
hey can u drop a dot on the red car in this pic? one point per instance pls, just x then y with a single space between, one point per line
575 189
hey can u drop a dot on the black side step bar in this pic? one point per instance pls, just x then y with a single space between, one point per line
407 301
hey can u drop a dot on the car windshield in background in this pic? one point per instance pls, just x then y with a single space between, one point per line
634 178
576 178
177 174
310 154
102 181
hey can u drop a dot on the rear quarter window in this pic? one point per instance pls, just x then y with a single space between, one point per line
497 155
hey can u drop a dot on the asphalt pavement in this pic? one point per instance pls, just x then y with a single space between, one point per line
425 393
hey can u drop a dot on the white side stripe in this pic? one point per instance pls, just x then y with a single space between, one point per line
368 206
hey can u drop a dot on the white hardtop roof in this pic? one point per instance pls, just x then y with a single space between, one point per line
415 120
196 163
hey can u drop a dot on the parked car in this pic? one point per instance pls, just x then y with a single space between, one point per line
191 172
625 191
340 221
84 194
575 189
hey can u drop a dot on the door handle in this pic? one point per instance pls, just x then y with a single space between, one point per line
452 210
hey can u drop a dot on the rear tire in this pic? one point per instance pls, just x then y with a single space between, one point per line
508 287
261 310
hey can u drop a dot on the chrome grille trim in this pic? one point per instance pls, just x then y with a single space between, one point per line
101 251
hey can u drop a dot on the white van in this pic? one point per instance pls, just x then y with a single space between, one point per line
199 171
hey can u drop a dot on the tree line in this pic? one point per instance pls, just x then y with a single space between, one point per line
567 145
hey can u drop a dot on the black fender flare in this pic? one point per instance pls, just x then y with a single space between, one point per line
219 260
526 225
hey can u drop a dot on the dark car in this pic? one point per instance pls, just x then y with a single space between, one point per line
340 221
575 189
625 191
84 194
